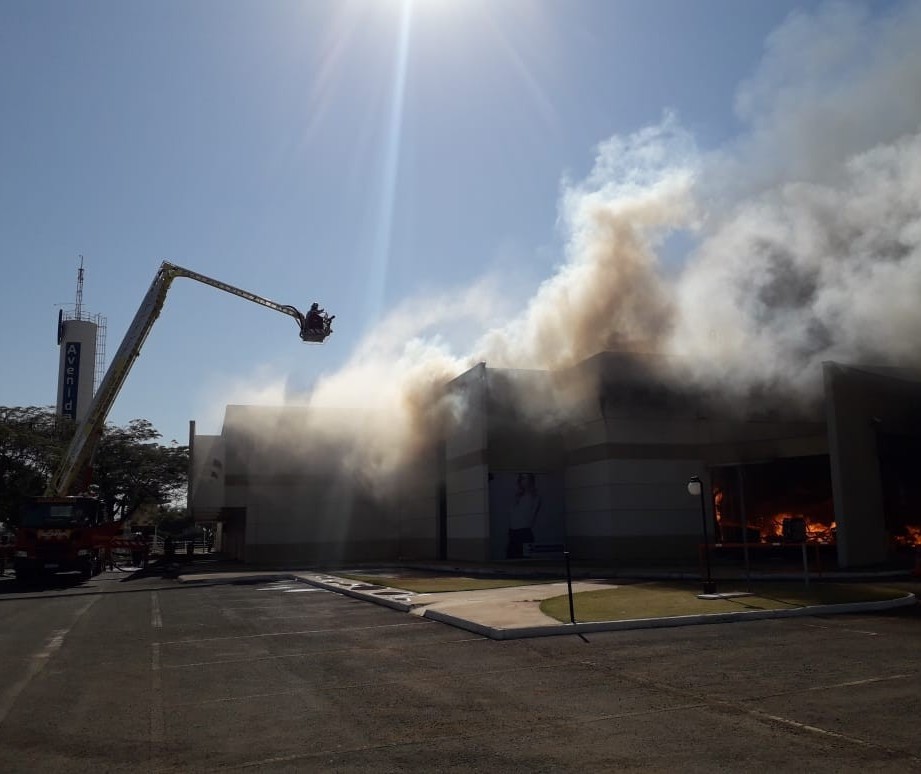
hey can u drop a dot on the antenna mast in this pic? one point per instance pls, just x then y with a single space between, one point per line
79 303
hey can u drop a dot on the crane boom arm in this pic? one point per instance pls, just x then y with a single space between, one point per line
77 457
179 271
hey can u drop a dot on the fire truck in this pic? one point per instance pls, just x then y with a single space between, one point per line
66 529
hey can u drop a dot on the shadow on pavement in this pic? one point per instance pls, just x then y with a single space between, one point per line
163 567
59 582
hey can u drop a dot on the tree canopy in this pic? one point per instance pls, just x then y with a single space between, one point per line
130 468
31 443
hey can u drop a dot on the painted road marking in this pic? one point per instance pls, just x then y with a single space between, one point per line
38 660
834 686
831 734
842 629
852 683
156 620
156 701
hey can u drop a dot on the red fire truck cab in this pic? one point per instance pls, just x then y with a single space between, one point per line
61 534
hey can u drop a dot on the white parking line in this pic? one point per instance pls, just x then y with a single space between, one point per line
842 629
852 683
156 620
835 686
279 605
832 734
38 660
156 701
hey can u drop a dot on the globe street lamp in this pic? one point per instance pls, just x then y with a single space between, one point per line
696 488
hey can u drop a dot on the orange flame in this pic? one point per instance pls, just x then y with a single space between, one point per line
775 524
816 531
912 536
718 503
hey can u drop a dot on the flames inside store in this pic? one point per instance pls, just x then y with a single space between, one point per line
791 501
786 499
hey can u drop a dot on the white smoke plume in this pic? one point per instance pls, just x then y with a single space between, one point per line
810 240
807 272
609 292
807 232
393 385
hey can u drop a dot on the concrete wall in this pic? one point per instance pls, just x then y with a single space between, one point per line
626 487
231 537
466 471
207 477
859 403
622 511
417 507
316 520
296 498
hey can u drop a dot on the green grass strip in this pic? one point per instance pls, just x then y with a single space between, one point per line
661 599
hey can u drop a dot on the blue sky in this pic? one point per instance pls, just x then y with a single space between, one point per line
354 153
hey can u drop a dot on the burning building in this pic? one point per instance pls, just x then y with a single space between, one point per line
594 458
620 441
804 246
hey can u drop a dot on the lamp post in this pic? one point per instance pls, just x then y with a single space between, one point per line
696 488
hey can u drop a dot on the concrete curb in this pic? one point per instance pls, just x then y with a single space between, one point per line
554 630
238 579
325 582
399 599
348 588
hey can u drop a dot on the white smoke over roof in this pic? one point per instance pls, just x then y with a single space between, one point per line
811 219
610 291
807 272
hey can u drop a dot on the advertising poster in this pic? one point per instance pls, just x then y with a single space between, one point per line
526 515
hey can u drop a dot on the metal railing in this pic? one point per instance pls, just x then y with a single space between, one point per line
200 545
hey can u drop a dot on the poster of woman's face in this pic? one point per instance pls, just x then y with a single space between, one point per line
526 483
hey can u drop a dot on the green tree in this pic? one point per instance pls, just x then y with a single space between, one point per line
130 468
32 440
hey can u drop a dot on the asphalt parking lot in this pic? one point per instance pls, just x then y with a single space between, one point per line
277 676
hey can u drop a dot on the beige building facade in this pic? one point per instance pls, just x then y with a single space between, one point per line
594 460
279 491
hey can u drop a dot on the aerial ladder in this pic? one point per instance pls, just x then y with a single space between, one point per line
73 520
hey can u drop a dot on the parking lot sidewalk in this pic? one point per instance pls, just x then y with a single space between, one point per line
514 612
